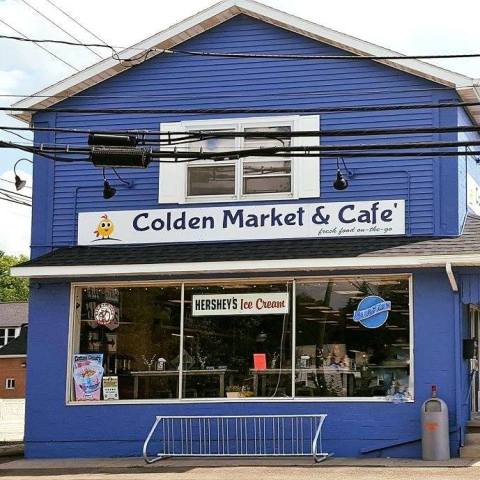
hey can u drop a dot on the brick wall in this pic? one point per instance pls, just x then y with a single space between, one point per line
12 368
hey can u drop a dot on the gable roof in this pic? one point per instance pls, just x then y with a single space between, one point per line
13 314
18 346
467 88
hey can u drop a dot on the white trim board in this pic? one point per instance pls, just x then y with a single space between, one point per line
250 266
220 12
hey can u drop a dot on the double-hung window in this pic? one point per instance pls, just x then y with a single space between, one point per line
8 334
253 177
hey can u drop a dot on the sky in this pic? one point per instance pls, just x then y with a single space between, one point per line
412 27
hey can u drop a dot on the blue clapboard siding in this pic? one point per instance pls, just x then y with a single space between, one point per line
189 82
56 430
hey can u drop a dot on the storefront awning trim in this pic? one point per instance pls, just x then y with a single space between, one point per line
244 266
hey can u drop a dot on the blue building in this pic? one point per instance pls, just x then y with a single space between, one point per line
251 285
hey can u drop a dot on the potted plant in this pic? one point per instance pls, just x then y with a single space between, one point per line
233 391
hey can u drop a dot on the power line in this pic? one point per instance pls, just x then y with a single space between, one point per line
323 93
26 39
203 134
12 183
48 19
255 55
77 22
16 194
256 110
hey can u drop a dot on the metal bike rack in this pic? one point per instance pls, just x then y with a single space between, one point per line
240 436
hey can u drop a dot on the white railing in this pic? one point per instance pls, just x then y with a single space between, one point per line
245 435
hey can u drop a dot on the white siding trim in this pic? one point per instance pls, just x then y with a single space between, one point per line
257 266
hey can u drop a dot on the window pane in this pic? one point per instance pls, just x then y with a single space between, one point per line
257 142
3 336
339 357
211 180
214 144
266 168
140 341
266 184
236 354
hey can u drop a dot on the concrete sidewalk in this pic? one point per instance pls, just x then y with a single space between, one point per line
238 469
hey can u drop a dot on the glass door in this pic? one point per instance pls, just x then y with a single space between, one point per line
474 331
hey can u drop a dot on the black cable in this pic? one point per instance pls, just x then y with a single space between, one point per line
264 133
12 183
11 192
252 55
215 96
287 56
26 39
256 110
77 22
48 19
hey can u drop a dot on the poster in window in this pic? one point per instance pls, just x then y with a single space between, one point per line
87 376
110 388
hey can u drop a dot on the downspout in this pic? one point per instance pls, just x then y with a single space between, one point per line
457 334
451 277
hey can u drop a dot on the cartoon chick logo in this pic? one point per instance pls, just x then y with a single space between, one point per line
105 228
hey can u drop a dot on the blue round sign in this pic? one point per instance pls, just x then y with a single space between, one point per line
372 311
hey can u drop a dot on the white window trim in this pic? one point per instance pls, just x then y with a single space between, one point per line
8 381
74 339
303 169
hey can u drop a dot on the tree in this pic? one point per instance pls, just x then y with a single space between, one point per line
12 289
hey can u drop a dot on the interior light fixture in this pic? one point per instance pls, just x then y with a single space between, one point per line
19 183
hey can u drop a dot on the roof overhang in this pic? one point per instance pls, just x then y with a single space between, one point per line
248 267
467 88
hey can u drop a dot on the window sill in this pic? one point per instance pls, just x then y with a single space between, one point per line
189 401
250 198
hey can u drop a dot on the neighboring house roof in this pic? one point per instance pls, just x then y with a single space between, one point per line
467 88
195 258
13 314
17 346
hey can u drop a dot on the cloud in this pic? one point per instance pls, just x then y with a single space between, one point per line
15 219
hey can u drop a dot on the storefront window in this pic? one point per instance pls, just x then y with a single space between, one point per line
340 353
352 339
234 352
137 333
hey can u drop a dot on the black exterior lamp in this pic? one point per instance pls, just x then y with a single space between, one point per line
341 182
19 183
108 190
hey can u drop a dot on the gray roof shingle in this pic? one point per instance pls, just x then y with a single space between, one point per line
13 314
468 242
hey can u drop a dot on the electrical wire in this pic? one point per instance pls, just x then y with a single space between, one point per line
48 19
26 39
252 54
77 22
387 90
12 183
16 194
256 110
204 134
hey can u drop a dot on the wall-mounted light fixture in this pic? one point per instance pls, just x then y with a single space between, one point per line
19 183
108 190
341 182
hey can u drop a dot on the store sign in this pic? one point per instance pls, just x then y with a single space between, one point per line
240 304
372 311
106 314
473 195
243 222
